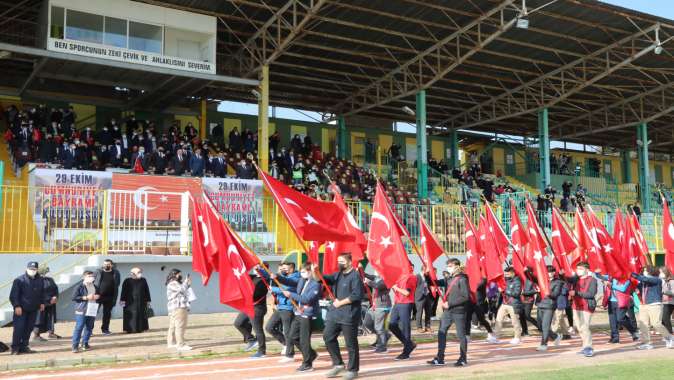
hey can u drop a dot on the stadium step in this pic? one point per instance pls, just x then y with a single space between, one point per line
66 279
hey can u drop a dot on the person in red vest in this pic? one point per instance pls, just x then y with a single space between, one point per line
618 301
401 313
582 293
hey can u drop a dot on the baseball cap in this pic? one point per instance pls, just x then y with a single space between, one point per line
32 265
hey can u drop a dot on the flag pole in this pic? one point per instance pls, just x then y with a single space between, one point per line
320 275
242 242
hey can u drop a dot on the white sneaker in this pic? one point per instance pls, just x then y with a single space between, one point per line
286 359
283 350
515 341
542 348
170 346
558 340
184 348
571 330
670 343
646 346
492 339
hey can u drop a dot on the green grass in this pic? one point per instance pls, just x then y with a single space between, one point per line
647 369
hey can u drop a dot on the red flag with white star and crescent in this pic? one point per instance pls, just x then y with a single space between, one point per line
359 244
615 266
536 252
587 238
491 261
473 268
200 241
236 286
668 236
563 244
520 238
430 247
385 248
311 219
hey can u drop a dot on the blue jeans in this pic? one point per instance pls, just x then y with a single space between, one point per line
619 316
85 323
400 325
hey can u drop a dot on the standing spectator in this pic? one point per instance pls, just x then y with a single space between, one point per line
107 282
46 320
178 306
197 164
235 141
27 298
218 133
274 140
69 117
86 308
296 144
307 144
248 142
244 171
135 300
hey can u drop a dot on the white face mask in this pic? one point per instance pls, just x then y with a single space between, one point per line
139 275
31 272
451 270
88 280
580 272
304 275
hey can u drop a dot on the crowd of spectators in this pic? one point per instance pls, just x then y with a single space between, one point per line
49 136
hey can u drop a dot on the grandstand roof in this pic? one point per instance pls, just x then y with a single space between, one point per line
592 64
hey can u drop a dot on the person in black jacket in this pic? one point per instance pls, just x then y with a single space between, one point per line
546 310
107 281
511 306
344 316
46 319
245 325
27 297
454 302
529 293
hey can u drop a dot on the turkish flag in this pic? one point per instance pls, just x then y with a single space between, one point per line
359 244
614 264
158 196
641 242
501 241
236 286
619 235
330 257
491 261
430 248
563 244
668 236
311 219
385 248
473 268
536 252
313 251
520 238
200 237
629 247
589 245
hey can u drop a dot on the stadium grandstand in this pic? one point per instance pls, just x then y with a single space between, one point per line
111 120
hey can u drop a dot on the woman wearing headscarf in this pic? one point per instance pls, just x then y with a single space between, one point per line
135 300
47 319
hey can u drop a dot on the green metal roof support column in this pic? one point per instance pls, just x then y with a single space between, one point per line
341 138
454 162
642 152
543 149
263 120
422 155
626 162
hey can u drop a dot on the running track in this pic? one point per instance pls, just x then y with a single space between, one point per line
483 358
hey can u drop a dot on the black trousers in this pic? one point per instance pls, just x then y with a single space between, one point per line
107 314
300 332
544 317
569 314
667 310
246 326
331 331
279 327
478 312
459 319
525 316
400 325
23 326
617 317
424 310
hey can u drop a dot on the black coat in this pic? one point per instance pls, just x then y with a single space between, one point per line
136 296
28 293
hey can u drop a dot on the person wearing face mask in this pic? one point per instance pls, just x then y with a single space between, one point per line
281 319
379 311
178 306
343 316
650 309
46 320
245 324
135 299
454 302
582 293
306 293
619 302
546 309
27 297
107 281
86 308
511 306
